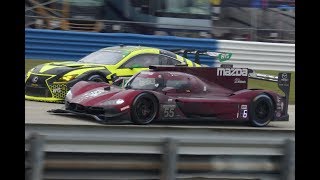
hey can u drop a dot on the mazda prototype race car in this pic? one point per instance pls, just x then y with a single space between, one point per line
50 82
170 92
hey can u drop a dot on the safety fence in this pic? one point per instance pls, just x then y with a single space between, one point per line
257 55
72 45
103 152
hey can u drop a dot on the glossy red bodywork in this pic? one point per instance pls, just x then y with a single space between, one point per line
209 95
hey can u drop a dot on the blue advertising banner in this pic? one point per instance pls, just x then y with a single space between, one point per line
287 4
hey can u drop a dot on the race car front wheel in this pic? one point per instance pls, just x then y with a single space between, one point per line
96 78
144 109
261 110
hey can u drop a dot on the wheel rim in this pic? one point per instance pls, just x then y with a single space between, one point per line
145 110
262 111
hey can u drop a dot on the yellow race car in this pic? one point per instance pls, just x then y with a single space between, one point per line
50 82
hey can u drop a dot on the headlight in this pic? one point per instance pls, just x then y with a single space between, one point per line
113 102
67 78
69 94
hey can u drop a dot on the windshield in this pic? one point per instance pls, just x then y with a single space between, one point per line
147 83
145 80
156 81
103 57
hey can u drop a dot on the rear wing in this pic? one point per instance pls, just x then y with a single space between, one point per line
260 76
221 56
283 79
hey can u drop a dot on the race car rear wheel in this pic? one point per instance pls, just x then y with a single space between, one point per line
96 78
261 110
145 108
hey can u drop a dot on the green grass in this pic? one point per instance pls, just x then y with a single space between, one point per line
253 83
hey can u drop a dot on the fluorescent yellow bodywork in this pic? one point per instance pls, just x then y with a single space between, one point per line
44 99
116 68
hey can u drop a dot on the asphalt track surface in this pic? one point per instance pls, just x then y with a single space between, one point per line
36 113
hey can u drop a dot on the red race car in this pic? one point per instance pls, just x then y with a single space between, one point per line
171 92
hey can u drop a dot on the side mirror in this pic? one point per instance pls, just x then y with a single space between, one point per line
169 90
118 82
114 77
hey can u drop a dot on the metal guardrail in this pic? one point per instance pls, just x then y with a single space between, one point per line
260 56
135 152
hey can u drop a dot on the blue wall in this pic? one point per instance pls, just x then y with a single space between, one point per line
72 45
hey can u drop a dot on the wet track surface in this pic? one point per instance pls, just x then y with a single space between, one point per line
36 113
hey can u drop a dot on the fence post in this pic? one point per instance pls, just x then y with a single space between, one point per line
36 156
169 164
288 166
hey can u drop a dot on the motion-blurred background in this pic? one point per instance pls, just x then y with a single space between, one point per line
242 20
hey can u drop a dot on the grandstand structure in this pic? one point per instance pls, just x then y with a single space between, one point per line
247 20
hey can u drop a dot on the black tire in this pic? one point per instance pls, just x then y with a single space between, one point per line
96 78
261 110
144 109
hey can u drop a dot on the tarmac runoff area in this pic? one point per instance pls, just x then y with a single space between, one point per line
36 113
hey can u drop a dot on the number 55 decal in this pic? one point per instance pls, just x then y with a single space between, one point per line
168 111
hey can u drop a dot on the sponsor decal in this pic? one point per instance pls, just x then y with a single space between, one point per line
169 111
56 90
239 81
95 93
243 111
124 108
35 79
284 82
278 102
224 56
284 77
232 72
244 106
88 95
